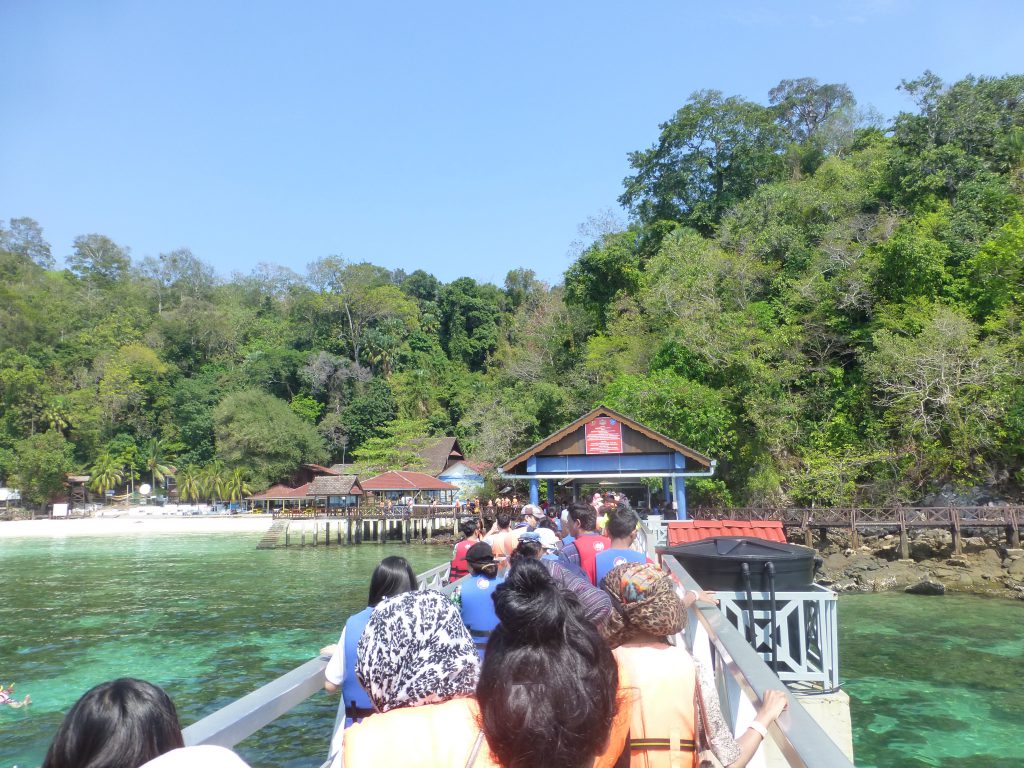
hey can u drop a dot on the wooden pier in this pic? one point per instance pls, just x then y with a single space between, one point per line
858 520
355 525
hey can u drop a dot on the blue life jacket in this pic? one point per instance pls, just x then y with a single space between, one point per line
478 609
605 561
354 699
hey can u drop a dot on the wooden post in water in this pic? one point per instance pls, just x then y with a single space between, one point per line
808 531
316 530
904 538
1012 531
303 542
853 529
287 531
958 543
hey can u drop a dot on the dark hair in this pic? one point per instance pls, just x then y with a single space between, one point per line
585 515
526 549
120 724
622 521
392 577
549 682
503 519
468 528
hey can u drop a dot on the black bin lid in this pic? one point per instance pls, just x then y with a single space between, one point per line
743 549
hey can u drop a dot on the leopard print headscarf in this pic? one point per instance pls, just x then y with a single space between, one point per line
645 602
416 650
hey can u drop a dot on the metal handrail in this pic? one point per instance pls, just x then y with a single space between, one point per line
240 719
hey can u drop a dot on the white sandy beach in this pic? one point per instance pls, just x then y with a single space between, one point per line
136 521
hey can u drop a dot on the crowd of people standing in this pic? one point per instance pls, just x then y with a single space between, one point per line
555 648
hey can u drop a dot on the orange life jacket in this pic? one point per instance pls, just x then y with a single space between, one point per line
661 733
443 735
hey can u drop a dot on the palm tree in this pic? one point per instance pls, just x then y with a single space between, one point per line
212 480
155 457
188 484
106 474
236 487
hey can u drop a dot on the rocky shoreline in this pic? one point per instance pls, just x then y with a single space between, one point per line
985 567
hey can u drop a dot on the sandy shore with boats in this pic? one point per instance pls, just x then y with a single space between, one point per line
139 520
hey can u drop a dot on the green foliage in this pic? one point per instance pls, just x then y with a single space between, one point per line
40 465
397 448
828 306
260 434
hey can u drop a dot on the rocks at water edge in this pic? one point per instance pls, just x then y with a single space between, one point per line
926 587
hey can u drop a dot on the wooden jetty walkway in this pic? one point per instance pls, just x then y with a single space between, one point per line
858 520
354 525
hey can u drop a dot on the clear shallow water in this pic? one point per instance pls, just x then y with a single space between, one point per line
207 617
933 681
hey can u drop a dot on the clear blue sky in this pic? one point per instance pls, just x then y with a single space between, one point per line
464 138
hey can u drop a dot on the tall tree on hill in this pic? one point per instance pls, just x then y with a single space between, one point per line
715 151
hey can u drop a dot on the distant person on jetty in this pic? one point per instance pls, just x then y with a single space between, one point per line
665 722
419 666
500 536
393 576
7 697
470 536
121 724
579 554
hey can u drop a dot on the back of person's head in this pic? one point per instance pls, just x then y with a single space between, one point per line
526 549
468 528
503 519
392 577
480 559
549 682
120 724
622 521
548 523
585 515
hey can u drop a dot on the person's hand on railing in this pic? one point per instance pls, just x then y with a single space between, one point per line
774 703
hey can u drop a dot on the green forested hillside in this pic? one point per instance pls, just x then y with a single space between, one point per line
827 303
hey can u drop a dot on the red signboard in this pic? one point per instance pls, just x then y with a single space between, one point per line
603 435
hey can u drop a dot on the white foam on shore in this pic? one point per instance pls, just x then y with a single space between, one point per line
134 521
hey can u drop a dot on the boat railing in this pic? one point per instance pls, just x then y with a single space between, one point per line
741 675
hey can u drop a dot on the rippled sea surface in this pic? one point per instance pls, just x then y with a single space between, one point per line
934 681
208 617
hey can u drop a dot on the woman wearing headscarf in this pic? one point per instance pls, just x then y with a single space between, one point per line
646 612
419 666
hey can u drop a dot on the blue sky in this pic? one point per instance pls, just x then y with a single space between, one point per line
464 138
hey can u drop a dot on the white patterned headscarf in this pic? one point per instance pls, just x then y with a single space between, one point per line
416 650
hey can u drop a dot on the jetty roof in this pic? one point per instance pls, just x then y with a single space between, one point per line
335 485
280 492
406 481
570 440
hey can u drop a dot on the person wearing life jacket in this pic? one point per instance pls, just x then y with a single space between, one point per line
391 577
473 596
622 531
417 663
587 542
663 729
470 536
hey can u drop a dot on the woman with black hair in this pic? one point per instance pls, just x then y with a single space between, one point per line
392 577
120 724
549 688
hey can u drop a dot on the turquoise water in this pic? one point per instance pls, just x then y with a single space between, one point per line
935 682
208 617
932 681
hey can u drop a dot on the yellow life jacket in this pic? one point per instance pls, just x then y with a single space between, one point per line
661 733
